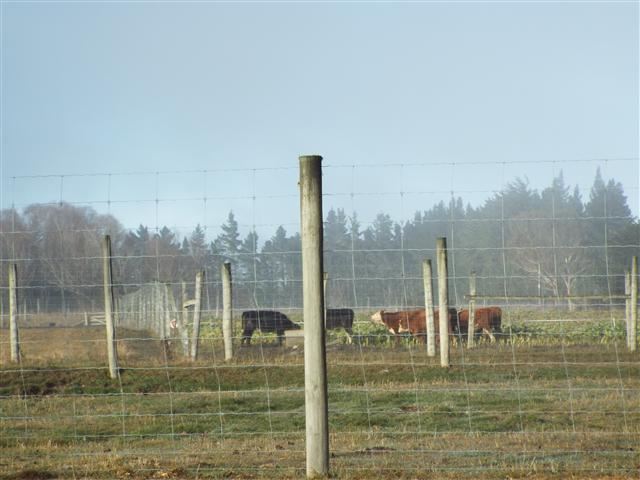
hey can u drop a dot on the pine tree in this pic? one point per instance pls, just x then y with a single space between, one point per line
228 242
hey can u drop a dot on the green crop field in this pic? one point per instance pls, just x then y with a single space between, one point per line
549 400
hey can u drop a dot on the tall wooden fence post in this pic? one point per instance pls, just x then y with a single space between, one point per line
13 314
184 320
315 367
443 300
627 306
427 278
471 334
107 282
227 311
325 280
633 336
197 308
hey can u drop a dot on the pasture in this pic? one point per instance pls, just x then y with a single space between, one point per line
549 400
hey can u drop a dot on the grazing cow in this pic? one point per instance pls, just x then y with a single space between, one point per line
340 318
265 321
486 320
412 321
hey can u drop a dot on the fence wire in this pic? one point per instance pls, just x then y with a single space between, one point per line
553 391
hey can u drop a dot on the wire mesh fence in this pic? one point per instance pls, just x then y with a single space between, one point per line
550 388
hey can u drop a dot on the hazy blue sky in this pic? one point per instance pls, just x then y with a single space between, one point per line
474 94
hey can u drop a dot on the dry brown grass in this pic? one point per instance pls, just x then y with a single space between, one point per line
80 346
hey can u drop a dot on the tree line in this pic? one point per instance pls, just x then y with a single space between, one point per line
520 241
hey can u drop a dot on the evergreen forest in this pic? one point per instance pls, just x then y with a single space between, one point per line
520 242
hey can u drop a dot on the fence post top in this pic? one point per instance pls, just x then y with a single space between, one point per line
310 158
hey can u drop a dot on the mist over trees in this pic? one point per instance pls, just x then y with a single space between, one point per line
521 241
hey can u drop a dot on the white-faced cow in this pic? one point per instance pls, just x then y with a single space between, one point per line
412 322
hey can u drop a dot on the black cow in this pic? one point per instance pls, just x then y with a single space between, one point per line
340 318
265 321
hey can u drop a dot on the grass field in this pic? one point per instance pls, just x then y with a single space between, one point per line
552 401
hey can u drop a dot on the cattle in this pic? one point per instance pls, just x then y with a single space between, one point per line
412 322
265 321
340 318
486 320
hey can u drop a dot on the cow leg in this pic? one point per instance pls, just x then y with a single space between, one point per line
280 337
487 332
349 334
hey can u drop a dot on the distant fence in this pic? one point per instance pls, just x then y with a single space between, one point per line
152 307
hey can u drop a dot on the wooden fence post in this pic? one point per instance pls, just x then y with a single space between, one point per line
325 280
471 334
107 281
184 320
427 279
315 367
627 306
443 300
633 337
13 314
539 284
195 335
227 311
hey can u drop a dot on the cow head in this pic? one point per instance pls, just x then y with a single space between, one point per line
377 318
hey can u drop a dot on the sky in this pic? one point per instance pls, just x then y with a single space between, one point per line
175 113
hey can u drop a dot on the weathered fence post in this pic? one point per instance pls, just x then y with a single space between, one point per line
227 311
627 306
13 314
539 284
443 300
195 335
427 278
107 281
315 378
325 280
86 319
633 339
166 327
472 310
184 320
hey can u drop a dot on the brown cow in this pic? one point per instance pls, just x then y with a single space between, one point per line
486 320
411 321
